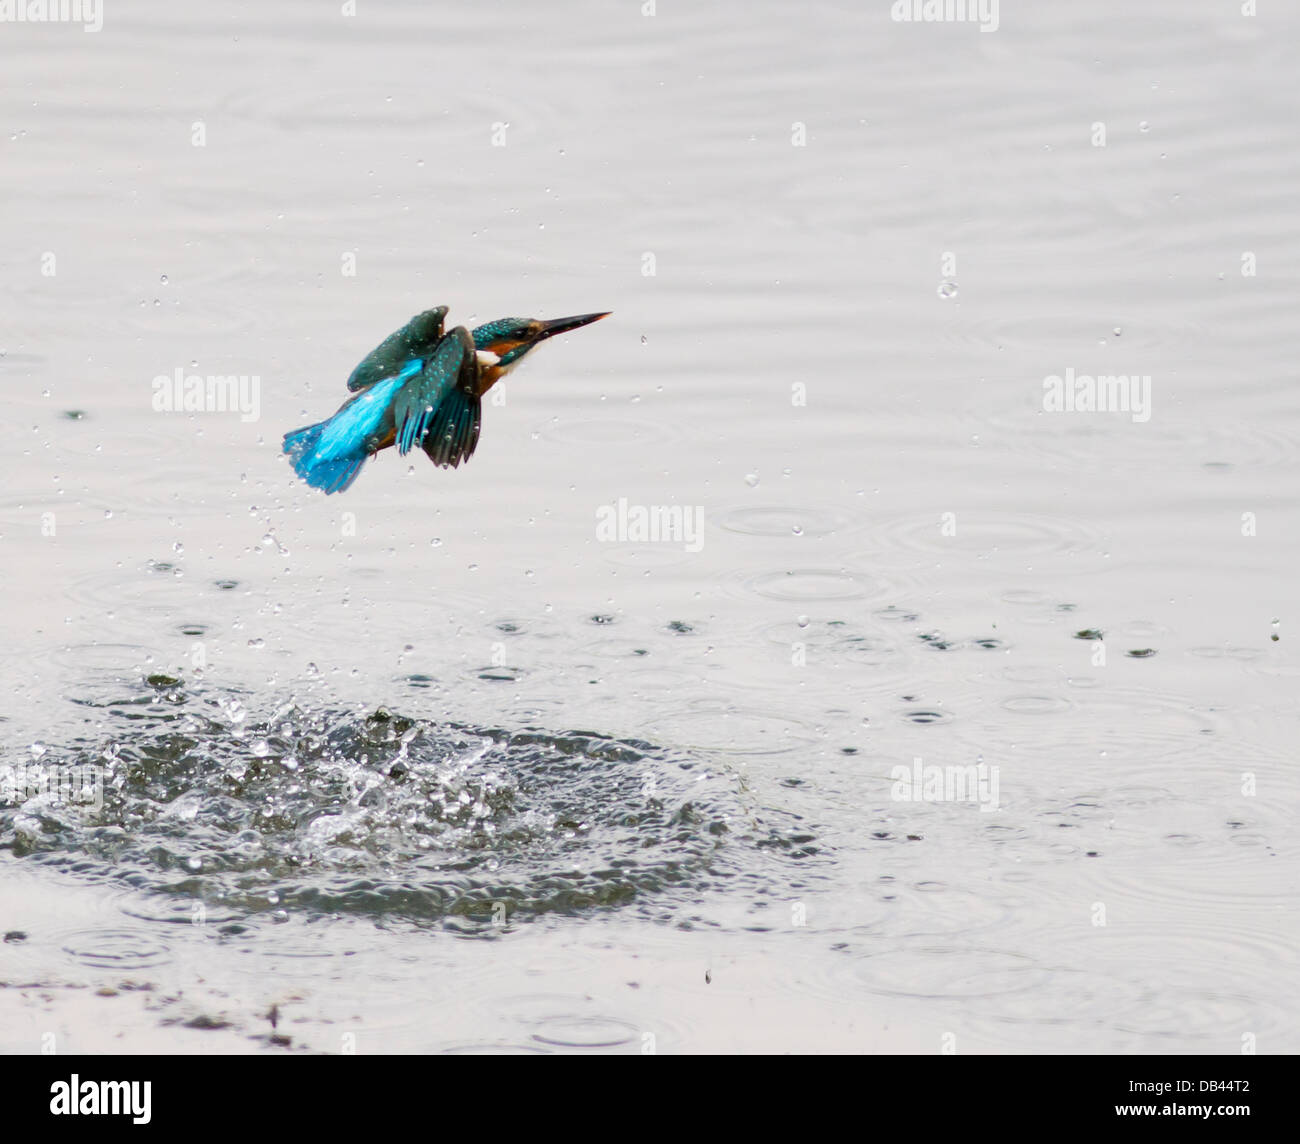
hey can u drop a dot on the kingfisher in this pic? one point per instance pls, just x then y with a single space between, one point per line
421 388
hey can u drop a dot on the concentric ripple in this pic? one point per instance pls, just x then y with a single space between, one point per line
810 585
994 537
782 520
115 949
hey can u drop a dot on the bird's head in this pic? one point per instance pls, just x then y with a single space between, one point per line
502 344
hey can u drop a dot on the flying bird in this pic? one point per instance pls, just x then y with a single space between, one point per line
420 388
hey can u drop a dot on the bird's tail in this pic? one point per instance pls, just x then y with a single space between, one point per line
329 454
323 467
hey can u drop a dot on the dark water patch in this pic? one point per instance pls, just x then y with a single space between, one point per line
502 674
925 717
936 640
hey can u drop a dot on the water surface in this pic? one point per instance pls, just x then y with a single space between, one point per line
433 765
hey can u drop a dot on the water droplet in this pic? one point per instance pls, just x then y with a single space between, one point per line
257 643
1117 331
1144 126
803 621
947 290
163 279
751 479
436 542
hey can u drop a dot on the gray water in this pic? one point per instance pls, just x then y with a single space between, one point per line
440 764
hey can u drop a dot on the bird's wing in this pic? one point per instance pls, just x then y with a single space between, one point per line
404 350
454 433
453 367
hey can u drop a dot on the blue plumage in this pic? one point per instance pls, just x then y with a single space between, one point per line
329 455
332 474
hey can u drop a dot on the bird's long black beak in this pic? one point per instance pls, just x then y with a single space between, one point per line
564 325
